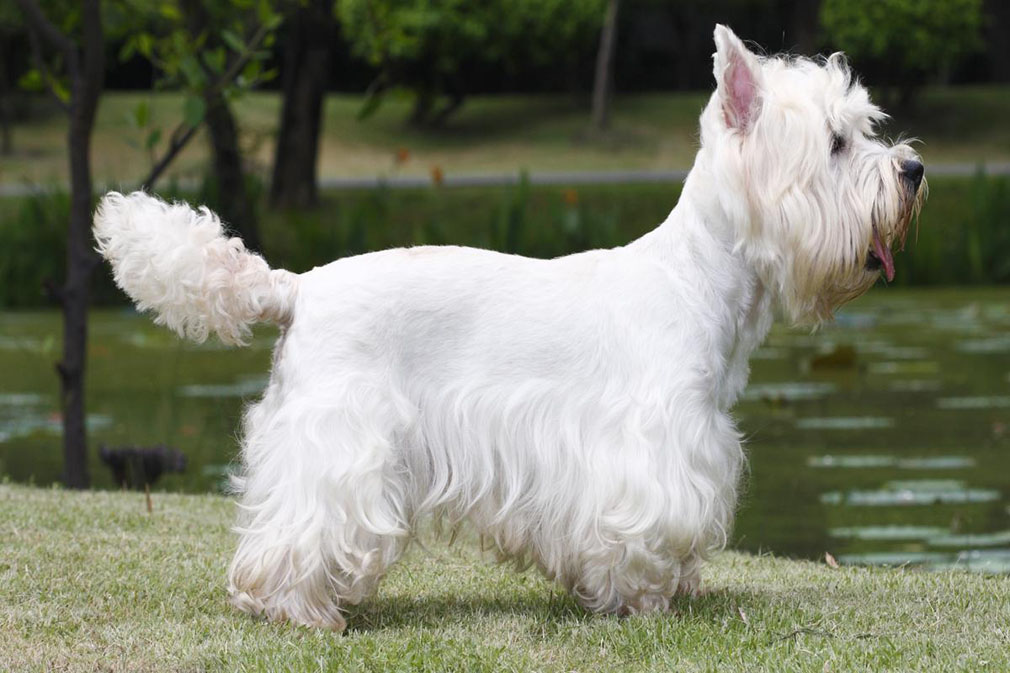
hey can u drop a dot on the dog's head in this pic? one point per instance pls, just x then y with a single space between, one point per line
817 200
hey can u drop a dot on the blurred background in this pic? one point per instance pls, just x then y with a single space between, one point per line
326 128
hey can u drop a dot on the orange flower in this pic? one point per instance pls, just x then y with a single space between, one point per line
437 176
402 155
571 197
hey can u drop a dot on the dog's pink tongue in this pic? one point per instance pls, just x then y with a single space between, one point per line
883 254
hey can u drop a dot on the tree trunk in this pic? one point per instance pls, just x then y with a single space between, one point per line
604 82
86 81
455 97
232 202
232 196
997 31
6 103
804 17
85 64
691 26
85 68
424 103
311 31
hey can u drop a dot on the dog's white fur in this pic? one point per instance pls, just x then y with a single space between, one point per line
575 410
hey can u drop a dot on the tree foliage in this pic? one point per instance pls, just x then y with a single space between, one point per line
222 52
907 42
423 44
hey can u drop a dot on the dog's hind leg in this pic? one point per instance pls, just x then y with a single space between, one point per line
323 515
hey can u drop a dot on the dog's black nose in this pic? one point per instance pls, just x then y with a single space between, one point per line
912 171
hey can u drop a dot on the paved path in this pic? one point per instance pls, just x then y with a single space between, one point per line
563 178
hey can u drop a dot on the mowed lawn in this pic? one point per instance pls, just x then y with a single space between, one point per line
92 582
489 135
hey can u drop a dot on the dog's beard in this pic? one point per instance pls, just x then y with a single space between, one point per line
837 247
880 257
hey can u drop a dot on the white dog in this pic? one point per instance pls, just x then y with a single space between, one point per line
575 410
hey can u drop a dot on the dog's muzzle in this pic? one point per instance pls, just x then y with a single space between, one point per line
879 256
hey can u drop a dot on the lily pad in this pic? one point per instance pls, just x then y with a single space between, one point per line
937 463
971 540
896 558
904 368
844 423
893 352
979 402
855 320
910 497
242 388
28 424
20 399
792 391
925 485
914 386
852 461
879 461
769 353
985 560
889 532
999 344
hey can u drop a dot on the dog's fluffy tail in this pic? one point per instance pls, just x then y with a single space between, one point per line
179 263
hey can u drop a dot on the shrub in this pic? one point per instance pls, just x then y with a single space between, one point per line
963 236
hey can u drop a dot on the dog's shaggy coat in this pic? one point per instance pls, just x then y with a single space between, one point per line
575 410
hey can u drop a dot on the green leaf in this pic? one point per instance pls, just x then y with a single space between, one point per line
193 110
31 81
214 59
232 39
170 11
152 138
191 70
60 90
371 104
251 71
128 49
268 16
141 114
145 44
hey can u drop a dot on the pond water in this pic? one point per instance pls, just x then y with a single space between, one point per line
883 438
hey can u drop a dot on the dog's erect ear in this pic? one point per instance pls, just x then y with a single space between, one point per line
737 78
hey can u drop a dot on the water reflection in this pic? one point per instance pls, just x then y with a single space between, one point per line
863 461
882 438
902 457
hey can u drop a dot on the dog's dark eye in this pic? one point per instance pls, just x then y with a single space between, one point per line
837 144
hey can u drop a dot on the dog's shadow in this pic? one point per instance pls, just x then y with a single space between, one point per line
546 612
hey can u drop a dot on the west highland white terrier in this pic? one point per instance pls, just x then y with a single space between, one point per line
576 410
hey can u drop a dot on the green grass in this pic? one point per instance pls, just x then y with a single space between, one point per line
491 134
90 581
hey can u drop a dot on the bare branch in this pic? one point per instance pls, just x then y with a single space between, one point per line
40 64
39 23
183 133
53 291
180 137
242 60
